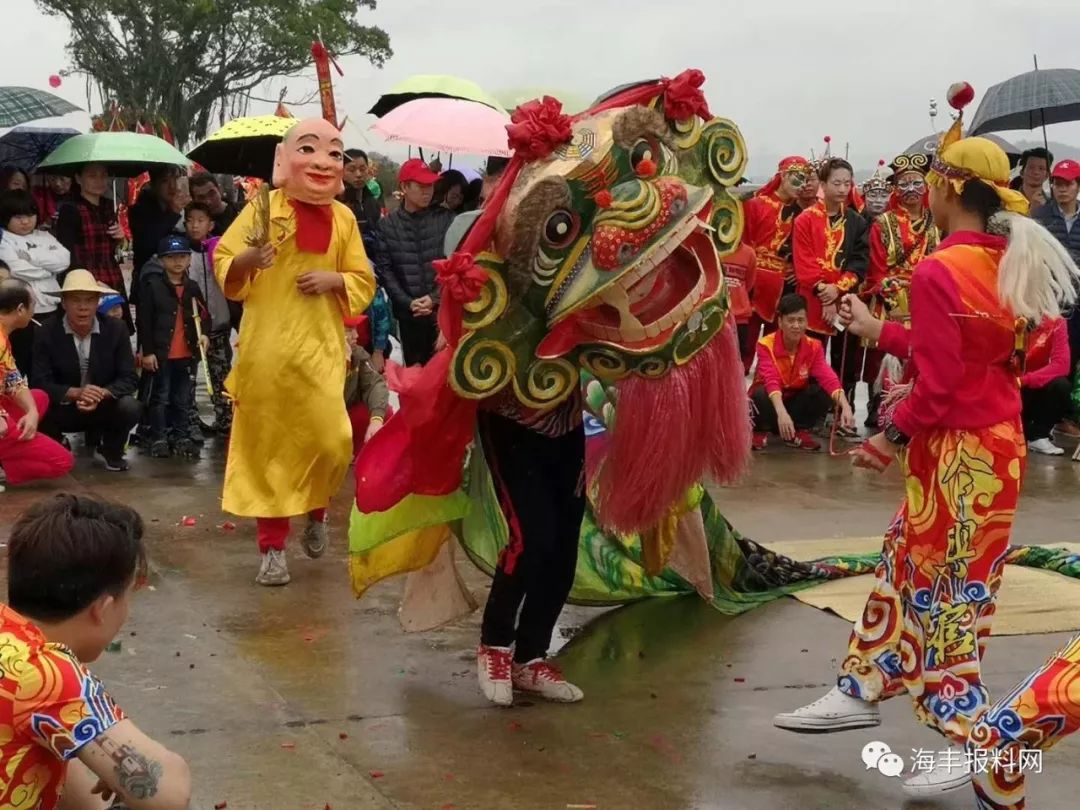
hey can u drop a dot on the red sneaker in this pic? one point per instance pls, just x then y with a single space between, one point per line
805 440
760 440
544 679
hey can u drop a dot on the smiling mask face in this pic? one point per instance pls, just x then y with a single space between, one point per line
309 163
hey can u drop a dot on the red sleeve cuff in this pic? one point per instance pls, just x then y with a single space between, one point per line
895 339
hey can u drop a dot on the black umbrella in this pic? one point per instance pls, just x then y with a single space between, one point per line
929 145
27 146
1030 100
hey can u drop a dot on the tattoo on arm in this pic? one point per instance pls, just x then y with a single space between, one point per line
137 775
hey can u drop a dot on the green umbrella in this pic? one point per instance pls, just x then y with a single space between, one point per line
21 105
433 87
125 154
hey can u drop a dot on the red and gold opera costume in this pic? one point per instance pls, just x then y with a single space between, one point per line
769 221
828 250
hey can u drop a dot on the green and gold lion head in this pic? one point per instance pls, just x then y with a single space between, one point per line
606 255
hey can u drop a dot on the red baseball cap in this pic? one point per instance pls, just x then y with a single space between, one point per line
1067 170
416 171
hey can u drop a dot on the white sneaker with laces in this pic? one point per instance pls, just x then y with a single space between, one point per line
834 712
1045 447
274 569
544 679
947 775
493 666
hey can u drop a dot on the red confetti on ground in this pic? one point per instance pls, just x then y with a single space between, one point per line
228 526
188 521
221 805
515 726
740 680
289 745
447 807
343 736
449 777
377 774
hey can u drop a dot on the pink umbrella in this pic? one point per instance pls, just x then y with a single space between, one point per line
447 125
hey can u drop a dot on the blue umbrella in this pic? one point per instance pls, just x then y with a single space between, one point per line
27 146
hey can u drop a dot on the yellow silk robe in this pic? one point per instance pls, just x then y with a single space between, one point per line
291 440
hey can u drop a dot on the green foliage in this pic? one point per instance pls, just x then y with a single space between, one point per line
178 60
386 175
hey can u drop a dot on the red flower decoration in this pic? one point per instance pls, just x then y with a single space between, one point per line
683 98
461 280
603 198
646 168
538 128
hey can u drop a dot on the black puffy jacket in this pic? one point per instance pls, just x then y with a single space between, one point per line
157 312
408 244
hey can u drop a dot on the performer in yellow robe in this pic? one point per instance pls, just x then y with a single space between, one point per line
300 271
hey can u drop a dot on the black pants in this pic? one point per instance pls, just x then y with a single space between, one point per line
1044 407
417 337
113 420
805 407
846 368
541 491
171 397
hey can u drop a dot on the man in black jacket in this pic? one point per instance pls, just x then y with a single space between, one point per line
410 239
1061 216
86 367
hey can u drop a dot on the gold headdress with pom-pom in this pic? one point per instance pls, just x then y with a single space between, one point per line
959 159
878 181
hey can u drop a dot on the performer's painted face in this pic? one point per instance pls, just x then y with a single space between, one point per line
793 181
809 191
910 186
877 200
310 162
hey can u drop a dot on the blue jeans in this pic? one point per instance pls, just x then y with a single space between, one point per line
171 395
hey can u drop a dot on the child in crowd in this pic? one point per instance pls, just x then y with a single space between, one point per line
73 565
198 223
111 306
367 397
169 342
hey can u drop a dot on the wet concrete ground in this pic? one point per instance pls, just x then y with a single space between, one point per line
302 697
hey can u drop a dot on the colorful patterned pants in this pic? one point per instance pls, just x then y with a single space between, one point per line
926 623
1040 711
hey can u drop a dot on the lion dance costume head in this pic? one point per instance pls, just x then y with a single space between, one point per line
600 251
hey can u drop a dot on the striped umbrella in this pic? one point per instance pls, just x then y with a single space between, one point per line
1034 99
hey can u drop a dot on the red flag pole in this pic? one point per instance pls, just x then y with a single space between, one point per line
326 87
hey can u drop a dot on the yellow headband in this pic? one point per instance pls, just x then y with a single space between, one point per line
976 159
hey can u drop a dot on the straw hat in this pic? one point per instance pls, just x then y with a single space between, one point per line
83 281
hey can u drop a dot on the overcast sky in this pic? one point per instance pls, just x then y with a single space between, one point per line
787 72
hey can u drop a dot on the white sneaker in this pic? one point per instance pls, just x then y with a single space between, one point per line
544 679
947 775
834 712
493 666
274 569
1046 447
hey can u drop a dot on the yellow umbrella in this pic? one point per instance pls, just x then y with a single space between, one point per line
244 146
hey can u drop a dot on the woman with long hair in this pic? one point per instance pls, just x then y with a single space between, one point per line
960 442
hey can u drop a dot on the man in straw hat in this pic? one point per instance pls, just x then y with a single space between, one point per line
86 366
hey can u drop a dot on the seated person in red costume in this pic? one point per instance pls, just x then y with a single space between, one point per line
794 387
1045 384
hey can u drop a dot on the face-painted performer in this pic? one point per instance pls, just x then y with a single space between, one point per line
296 261
599 249
876 193
770 215
961 447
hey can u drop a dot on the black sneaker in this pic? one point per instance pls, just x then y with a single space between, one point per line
116 463
185 448
160 449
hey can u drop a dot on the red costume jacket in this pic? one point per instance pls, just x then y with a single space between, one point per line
1047 353
767 228
781 371
897 245
739 274
828 252
961 340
